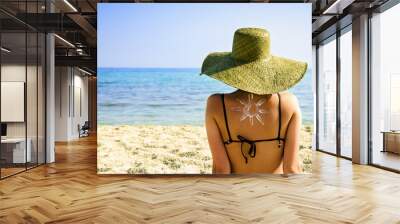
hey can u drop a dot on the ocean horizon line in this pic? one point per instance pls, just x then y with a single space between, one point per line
308 69
156 69
152 95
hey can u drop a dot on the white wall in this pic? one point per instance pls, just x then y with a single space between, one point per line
61 103
17 72
71 87
80 115
33 127
14 72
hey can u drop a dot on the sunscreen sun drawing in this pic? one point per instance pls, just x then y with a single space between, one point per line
251 110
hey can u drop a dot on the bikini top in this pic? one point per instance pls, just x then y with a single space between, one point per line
252 150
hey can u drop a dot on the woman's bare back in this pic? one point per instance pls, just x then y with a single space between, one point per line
250 118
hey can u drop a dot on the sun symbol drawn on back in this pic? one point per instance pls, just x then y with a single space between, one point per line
251 110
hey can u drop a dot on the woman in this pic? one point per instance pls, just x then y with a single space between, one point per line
256 128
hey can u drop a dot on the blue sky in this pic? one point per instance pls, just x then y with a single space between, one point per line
181 35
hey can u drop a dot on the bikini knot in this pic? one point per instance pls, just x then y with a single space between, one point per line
252 149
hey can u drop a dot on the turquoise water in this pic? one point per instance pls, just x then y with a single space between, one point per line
168 96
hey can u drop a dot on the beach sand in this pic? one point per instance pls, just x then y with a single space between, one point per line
155 149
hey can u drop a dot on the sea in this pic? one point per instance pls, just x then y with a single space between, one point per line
168 96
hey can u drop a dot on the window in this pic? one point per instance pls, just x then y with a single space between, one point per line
327 96
22 88
13 147
346 93
385 89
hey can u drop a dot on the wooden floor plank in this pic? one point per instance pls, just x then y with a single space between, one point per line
70 191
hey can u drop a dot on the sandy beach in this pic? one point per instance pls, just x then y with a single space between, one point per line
156 149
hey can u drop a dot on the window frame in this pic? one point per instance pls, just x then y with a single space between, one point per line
334 37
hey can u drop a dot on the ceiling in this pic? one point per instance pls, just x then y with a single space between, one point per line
75 22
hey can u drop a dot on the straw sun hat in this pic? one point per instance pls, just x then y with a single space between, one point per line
251 67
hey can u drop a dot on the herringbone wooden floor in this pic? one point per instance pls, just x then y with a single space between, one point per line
69 191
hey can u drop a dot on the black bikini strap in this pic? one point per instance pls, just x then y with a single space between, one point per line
226 120
279 119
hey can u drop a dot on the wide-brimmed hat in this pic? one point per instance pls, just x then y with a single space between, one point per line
251 67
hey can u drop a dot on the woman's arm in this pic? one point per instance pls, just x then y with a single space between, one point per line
292 143
221 164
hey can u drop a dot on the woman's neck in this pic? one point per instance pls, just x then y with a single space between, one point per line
241 93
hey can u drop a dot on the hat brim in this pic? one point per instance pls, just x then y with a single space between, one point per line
263 76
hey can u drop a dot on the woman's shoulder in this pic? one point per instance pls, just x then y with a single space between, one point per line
288 96
289 101
214 99
213 103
